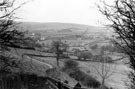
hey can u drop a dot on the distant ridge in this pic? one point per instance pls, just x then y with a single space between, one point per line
56 26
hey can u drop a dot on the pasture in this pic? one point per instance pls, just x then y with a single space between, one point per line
115 80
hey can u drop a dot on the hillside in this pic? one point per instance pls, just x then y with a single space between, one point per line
35 26
35 65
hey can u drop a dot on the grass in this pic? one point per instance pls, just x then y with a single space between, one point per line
35 64
30 65
27 51
116 80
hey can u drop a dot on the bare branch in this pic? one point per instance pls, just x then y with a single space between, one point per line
122 16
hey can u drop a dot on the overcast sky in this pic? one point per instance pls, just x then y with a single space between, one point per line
67 11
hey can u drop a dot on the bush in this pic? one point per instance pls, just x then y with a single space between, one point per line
90 81
70 67
85 79
75 75
70 64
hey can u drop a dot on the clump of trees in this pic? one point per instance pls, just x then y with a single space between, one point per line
84 55
122 17
71 67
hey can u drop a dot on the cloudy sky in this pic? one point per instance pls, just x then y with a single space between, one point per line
67 11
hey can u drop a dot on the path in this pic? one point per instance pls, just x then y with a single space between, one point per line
42 63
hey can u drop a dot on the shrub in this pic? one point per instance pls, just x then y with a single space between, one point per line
90 81
85 79
70 67
77 75
70 64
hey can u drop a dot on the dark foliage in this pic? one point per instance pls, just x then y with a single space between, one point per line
31 81
10 36
90 81
70 64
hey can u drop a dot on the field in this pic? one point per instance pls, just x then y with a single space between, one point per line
30 65
76 35
38 65
115 80
39 58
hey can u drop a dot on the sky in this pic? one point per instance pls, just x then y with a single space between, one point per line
64 11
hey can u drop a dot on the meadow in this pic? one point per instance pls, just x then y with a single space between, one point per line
74 35
115 80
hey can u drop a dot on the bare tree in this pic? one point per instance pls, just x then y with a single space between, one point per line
122 18
58 47
105 72
10 36
106 69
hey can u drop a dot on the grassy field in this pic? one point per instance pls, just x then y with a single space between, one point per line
30 65
39 65
116 80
